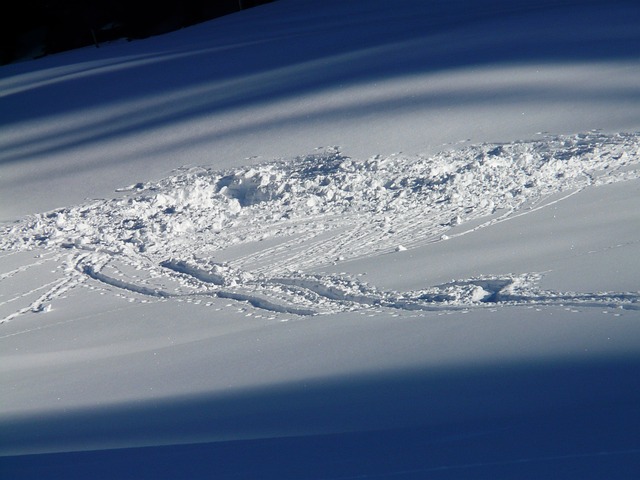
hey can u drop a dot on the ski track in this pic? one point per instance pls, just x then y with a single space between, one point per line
164 239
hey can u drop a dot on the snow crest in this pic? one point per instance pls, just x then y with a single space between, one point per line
249 234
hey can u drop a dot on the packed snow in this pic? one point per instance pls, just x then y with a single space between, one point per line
254 233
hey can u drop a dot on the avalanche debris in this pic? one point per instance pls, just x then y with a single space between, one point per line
249 234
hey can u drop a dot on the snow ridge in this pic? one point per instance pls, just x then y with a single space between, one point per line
249 234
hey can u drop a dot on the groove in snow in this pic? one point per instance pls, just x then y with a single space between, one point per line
248 234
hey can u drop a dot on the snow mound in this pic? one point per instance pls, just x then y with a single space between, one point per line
248 234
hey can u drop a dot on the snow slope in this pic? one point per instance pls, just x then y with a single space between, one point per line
286 78
400 235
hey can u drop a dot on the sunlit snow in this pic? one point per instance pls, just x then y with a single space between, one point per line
249 234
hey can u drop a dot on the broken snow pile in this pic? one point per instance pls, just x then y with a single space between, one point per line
250 233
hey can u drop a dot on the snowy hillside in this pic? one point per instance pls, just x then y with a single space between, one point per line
388 239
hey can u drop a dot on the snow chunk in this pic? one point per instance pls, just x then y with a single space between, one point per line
318 209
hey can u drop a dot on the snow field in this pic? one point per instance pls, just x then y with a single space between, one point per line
465 306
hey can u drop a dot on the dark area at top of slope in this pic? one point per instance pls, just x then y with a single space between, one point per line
34 28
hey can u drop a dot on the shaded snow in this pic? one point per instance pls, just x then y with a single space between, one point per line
282 79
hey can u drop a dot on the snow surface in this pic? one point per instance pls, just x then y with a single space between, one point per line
365 229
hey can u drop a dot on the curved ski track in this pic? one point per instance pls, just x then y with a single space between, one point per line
249 234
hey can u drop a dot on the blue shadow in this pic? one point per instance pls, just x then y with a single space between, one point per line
354 42
550 420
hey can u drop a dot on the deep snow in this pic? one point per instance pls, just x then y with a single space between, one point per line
405 236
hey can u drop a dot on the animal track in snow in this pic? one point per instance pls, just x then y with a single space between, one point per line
249 233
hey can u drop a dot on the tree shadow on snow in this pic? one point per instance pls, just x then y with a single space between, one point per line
221 67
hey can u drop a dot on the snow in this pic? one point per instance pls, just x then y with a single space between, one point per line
328 221
279 83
